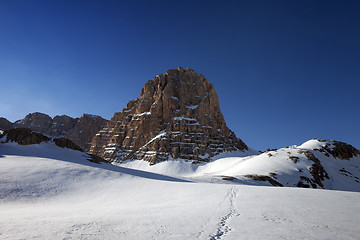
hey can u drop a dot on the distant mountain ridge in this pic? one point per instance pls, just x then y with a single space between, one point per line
317 163
79 130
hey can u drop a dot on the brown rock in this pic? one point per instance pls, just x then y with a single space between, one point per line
61 125
264 178
342 150
338 149
66 143
316 170
85 129
79 130
24 136
5 124
38 122
176 116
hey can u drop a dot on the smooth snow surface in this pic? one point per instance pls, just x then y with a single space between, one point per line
51 193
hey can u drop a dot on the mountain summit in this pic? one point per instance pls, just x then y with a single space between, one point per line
177 116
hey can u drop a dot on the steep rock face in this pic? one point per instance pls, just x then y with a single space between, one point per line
79 130
5 124
38 122
85 129
61 125
176 116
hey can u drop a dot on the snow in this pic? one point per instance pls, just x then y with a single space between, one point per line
183 168
48 192
141 114
160 135
174 98
192 107
312 144
184 118
344 174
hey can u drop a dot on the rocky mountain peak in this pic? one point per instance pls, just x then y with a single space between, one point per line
176 116
37 121
179 90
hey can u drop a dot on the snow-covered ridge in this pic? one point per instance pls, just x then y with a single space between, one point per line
315 164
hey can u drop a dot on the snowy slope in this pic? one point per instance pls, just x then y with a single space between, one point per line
308 165
48 192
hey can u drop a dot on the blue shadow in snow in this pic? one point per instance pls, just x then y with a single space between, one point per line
53 152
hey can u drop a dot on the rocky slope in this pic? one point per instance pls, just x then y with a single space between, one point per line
25 136
5 124
79 130
177 116
317 163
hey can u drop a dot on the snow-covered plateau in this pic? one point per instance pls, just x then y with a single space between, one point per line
47 192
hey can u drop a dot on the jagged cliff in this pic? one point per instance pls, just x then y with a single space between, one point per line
79 130
176 116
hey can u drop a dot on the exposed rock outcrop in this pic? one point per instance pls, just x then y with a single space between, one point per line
317 163
5 124
66 143
38 122
176 116
79 130
264 178
61 125
342 150
24 136
85 129
317 170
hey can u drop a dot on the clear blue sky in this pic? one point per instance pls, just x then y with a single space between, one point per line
285 71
